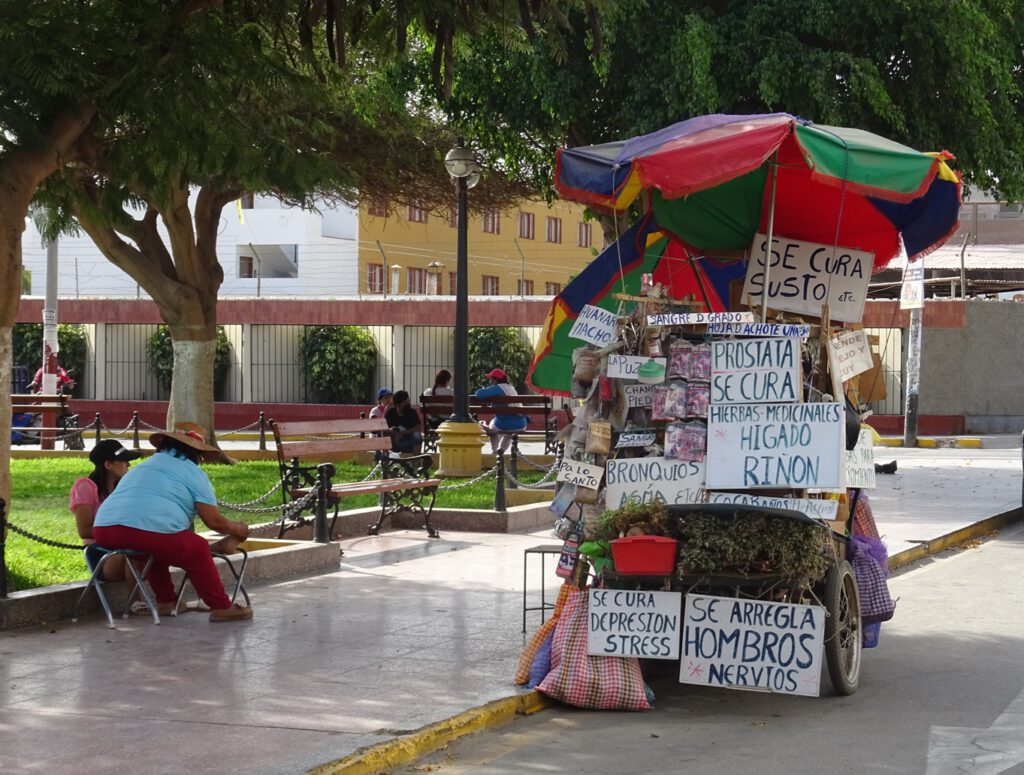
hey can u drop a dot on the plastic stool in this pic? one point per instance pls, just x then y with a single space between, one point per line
543 551
238 573
96 580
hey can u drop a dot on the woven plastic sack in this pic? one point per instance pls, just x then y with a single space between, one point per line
535 641
541 664
869 560
586 681
863 518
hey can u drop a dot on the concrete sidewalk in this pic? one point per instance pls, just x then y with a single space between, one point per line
408 634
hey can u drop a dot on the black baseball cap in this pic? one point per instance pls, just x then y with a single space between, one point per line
113 450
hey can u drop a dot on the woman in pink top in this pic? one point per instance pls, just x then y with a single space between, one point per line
110 460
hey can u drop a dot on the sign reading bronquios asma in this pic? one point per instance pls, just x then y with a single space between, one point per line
804 276
775 445
752 644
647 479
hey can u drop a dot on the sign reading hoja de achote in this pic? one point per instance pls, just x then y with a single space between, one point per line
752 644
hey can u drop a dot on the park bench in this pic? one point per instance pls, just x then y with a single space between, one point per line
53 407
404 482
539 411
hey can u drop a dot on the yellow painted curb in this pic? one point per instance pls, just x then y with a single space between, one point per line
928 443
409 748
957 537
966 442
890 441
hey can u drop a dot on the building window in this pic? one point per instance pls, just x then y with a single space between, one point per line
417 214
453 217
453 283
377 209
416 280
526 225
526 287
492 222
375 278
246 266
490 285
552 289
583 238
248 201
554 229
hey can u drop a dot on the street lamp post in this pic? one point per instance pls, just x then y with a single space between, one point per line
460 438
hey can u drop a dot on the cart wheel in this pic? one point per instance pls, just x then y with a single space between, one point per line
842 628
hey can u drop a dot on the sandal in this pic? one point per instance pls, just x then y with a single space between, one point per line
139 608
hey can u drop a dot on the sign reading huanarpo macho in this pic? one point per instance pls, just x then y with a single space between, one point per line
752 644
804 276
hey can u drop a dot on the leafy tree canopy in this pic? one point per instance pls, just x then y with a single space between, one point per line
931 75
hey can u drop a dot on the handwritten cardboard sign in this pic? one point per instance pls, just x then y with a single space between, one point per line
775 445
582 474
912 287
647 479
849 353
756 645
749 371
631 623
760 329
860 462
635 439
639 395
650 371
594 325
699 318
816 508
803 276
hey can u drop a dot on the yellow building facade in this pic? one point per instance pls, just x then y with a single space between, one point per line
530 249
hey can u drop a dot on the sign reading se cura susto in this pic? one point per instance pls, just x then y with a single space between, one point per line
804 276
752 644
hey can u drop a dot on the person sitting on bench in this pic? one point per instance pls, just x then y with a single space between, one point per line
501 427
404 425
152 510
441 387
110 461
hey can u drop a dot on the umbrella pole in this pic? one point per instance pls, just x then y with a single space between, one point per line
768 242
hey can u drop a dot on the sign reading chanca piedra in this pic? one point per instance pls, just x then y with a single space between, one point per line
752 644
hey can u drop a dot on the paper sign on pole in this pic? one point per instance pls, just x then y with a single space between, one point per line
912 289
631 623
775 445
594 325
849 353
583 474
752 644
746 371
698 318
860 462
803 276
647 479
816 508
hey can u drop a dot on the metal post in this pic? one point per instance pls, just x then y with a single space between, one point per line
499 488
49 383
774 163
324 472
913 378
3 549
460 401
135 430
263 431
97 423
513 462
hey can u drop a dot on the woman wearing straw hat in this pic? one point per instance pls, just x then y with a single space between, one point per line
152 511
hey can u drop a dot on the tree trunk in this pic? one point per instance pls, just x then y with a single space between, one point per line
193 377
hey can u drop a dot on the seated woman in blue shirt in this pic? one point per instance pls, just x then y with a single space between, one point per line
502 426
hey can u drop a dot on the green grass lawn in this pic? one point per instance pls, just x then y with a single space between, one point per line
40 505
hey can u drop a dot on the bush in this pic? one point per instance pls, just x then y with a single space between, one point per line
502 348
339 363
27 347
160 351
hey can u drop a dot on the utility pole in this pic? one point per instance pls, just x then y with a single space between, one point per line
50 346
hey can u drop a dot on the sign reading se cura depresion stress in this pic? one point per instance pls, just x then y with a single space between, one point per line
755 371
633 623
757 645
803 276
775 445
648 479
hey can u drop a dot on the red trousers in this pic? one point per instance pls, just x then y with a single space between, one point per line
185 550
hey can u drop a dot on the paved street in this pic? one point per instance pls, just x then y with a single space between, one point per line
942 694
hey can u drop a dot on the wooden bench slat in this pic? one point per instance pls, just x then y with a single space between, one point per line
324 448
329 427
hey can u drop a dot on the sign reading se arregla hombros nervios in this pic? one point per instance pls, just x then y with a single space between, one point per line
752 644
804 276
775 445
